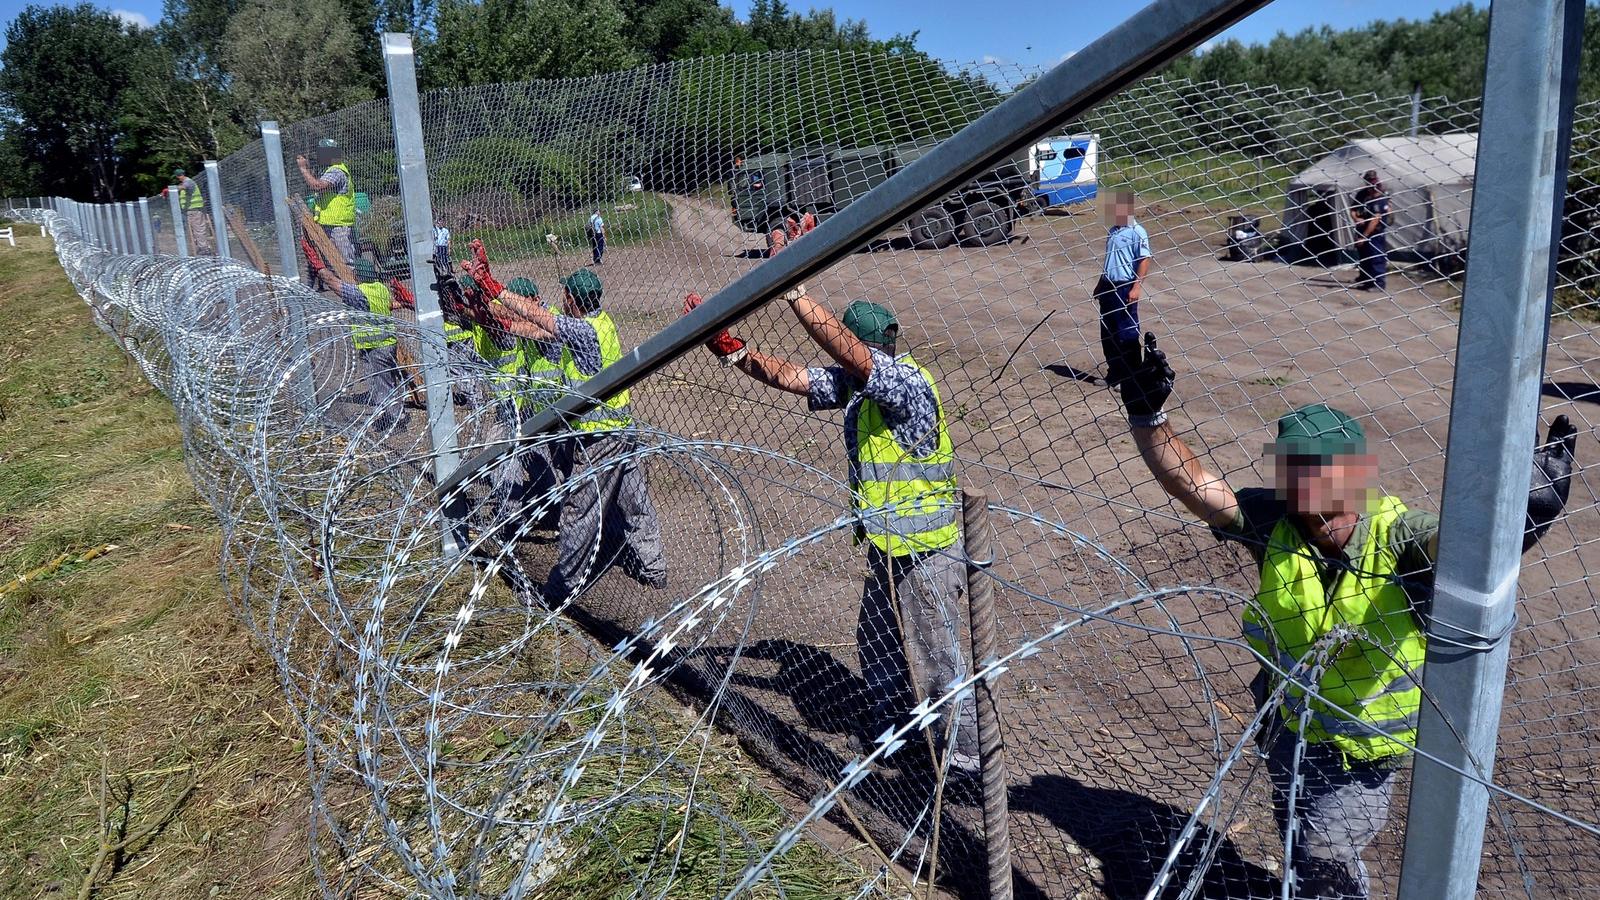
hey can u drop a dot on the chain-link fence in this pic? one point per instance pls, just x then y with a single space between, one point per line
477 726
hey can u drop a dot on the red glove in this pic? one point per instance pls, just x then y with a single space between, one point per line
479 270
727 348
402 294
313 258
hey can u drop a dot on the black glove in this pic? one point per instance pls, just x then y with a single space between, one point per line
1146 390
1552 479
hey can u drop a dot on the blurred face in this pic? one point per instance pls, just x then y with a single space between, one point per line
1326 486
1120 210
569 305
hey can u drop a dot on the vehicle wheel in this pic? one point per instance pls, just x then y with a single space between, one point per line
988 223
931 229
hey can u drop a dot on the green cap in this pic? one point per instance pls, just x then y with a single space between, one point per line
327 144
467 282
1319 430
365 270
871 322
585 288
523 286
177 173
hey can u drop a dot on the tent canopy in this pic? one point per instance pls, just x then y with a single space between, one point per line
1428 180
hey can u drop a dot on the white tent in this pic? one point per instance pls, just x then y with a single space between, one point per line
1428 180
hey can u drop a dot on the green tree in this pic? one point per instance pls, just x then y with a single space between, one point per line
294 62
66 72
517 40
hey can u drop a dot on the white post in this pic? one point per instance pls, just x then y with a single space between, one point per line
180 231
219 220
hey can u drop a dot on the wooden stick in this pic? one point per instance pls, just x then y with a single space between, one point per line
251 251
331 257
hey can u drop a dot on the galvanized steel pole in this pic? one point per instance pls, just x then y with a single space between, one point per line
278 184
219 220
1149 39
399 64
180 231
1530 81
147 226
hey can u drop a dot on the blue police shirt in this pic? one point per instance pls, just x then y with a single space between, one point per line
1125 246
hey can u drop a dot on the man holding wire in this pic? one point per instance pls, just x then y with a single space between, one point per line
1346 585
902 476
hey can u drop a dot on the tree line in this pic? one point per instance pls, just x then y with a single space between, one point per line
93 107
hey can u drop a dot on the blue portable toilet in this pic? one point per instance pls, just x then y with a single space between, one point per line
1063 169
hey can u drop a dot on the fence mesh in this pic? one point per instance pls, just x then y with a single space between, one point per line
472 732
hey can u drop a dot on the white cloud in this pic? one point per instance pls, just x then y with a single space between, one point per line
990 59
129 17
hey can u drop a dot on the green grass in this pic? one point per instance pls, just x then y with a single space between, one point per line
633 220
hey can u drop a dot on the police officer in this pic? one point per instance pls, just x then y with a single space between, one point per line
610 517
374 342
1371 215
193 205
1120 286
334 207
902 478
1333 555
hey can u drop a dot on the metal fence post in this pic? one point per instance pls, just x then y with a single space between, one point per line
979 537
148 228
288 259
119 228
135 242
400 66
179 230
1530 81
219 218
272 146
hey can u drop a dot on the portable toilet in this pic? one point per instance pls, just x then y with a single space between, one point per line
1063 169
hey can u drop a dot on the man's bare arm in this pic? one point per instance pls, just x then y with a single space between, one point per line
831 335
1139 272
312 181
776 372
527 311
1184 478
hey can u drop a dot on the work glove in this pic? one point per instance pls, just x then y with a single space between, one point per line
487 284
1552 479
795 293
552 240
402 294
313 258
728 349
1146 390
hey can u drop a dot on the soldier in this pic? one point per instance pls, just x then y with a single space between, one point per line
902 477
1334 556
610 517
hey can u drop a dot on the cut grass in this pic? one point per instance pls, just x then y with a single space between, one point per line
132 656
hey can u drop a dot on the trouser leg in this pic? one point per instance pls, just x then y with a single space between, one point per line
880 648
644 558
1119 329
932 591
200 232
382 373
1338 812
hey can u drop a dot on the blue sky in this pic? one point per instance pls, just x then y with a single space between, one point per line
964 31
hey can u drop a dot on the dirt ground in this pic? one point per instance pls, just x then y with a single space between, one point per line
1113 732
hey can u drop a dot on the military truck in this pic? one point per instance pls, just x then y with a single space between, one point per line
768 189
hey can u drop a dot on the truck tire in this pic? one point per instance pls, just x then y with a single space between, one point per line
988 223
931 229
